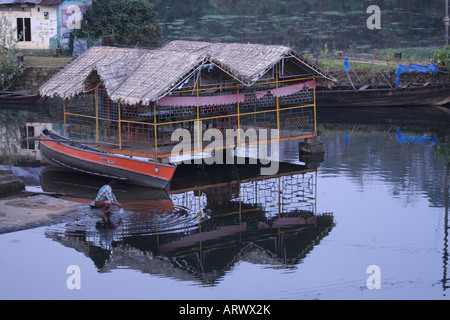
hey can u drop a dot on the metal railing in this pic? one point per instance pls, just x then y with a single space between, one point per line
148 129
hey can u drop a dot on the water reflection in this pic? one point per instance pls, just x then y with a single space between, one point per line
201 227
445 279
373 153
411 167
391 200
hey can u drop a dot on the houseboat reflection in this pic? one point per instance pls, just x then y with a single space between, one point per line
203 225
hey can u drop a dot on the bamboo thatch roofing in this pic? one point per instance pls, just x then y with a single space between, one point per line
134 75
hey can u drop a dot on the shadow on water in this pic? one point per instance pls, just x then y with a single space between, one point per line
207 222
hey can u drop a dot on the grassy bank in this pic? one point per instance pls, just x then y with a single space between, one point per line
37 61
385 59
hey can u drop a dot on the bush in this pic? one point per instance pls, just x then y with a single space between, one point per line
131 22
442 56
10 67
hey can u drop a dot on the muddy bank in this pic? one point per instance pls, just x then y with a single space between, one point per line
9 183
25 211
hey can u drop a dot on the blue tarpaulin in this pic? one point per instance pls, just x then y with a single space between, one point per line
414 68
347 140
346 64
402 138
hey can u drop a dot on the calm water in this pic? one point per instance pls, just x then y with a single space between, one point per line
305 25
307 233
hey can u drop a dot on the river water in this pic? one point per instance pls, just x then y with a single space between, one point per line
366 221
306 26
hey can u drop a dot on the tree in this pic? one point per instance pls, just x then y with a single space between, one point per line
442 56
130 22
10 67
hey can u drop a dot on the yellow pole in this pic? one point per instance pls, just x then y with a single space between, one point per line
65 120
199 211
155 127
200 245
279 197
278 101
120 128
96 115
315 196
238 118
240 203
315 117
198 118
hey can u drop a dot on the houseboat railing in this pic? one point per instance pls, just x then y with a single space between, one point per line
147 129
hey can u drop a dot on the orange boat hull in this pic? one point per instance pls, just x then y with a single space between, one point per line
73 155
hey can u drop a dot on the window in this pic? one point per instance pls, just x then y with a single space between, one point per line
27 132
24 29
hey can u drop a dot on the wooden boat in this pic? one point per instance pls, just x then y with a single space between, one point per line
436 94
15 98
78 156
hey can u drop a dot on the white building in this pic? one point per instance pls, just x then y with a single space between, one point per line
44 25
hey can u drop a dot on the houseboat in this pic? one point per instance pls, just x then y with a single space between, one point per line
131 100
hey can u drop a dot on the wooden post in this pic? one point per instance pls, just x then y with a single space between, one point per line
350 80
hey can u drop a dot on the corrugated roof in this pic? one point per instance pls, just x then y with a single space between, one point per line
50 2
133 75
36 2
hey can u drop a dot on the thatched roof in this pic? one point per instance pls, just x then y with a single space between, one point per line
133 75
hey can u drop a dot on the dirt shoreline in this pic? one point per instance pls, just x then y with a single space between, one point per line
28 210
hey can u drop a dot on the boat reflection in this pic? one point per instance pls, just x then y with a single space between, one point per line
214 221
83 188
445 278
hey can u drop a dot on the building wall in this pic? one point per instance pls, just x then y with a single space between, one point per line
43 24
23 150
30 150
50 25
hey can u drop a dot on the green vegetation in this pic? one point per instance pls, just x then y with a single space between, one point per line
442 56
130 22
385 58
38 61
410 54
10 67
335 64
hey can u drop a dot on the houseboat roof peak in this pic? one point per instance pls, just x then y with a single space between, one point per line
141 76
